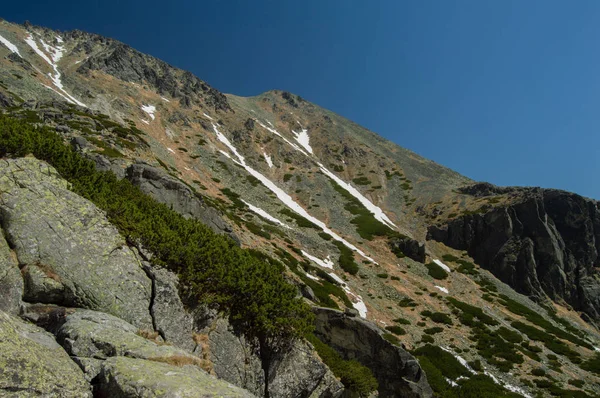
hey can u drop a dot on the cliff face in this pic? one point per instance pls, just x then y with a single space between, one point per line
544 244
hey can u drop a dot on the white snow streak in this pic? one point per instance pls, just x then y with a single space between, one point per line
145 121
208 116
56 53
441 264
325 263
284 197
509 387
268 160
264 214
376 211
10 46
443 289
164 99
303 139
149 109
170 150
272 130
314 278
360 304
460 359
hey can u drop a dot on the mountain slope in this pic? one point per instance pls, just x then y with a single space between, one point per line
343 208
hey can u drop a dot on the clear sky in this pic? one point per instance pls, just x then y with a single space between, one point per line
500 91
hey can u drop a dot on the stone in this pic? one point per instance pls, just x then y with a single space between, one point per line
174 193
409 247
11 282
397 372
122 377
63 235
544 243
33 364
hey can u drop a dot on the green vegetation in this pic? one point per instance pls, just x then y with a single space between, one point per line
357 378
391 338
287 177
435 271
469 313
383 276
300 221
361 181
440 317
592 364
433 330
538 320
402 321
396 330
465 267
551 342
367 226
440 366
213 269
407 302
346 260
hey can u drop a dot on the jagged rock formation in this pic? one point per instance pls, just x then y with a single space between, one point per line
397 372
411 248
542 243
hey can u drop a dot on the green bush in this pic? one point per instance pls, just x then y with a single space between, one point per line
435 271
402 321
391 338
427 339
396 330
439 317
383 276
538 372
287 177
433 330
346 260
355 377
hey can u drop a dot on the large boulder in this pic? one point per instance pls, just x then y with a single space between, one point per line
33 364
90 337
123 377
174 193
297 372
397 372
541 242
11 282
71 255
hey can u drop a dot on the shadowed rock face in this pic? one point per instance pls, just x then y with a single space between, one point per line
397 372
547 243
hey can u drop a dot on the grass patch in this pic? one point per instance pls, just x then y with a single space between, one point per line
435 271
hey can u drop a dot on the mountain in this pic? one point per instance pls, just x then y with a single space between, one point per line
421 280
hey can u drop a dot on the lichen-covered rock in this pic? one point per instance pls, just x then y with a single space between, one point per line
297 372
88 336
33 364
397 372
171 319
11 283
122 377
63 234
300 373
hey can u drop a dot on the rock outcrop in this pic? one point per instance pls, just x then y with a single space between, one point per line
405 246
174 193
544 243
11 282
296 373
68 251
397 372
33 364
120 378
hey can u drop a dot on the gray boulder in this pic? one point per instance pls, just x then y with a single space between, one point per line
33 364
122 377
174 193
91 337
297 372
11 282
397 372
68 245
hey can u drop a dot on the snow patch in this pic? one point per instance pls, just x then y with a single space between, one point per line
145 121
443 289
268 160
460 359
441 264
264 214
208 116
164 99
326 263
303 139
149 109
509 387
170 150
314 278
10 46
56 53
376 211
283 196
272 130
359 305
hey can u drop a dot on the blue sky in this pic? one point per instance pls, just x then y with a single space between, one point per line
501 91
